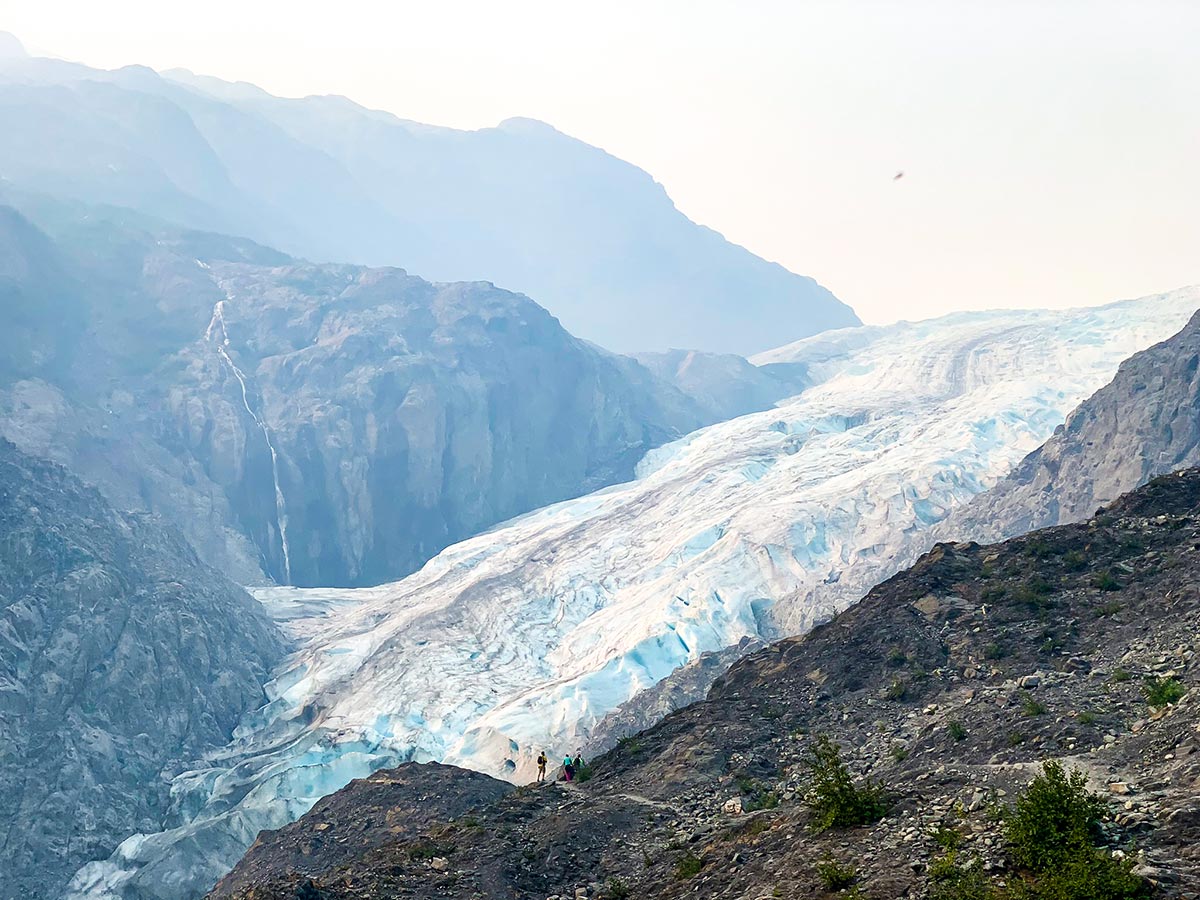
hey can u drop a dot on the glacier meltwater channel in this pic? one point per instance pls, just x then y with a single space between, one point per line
521 638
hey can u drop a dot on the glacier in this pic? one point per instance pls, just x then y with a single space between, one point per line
522 638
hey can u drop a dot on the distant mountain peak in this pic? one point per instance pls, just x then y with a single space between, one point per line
525 125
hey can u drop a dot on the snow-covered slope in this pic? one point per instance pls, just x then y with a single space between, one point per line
522 638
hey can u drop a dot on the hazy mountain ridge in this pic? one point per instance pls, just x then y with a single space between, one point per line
594 239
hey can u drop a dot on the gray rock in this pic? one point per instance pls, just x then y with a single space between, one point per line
122 658
395 416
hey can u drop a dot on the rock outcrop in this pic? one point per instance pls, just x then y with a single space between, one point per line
122 657
369 813
948 685
725 385
1146 422
311 424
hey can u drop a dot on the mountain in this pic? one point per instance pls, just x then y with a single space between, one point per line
726 385
948 686
321 424
121 656
1146 422
594 239
528 636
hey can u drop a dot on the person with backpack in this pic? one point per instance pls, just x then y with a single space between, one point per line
541 764
568 767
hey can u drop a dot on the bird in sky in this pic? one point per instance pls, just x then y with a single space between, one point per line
898 175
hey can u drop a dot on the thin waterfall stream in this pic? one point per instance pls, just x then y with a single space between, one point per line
222 342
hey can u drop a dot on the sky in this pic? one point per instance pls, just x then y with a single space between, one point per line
1050 148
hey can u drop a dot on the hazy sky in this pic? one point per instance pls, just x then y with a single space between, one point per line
1051 150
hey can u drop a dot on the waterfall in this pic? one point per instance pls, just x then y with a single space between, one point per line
218 323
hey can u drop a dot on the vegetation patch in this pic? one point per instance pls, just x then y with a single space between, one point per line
1162 691
1050 833
836 875
688 866
836 800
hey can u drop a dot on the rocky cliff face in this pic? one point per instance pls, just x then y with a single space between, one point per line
320 424
1146 422
725 385
370 418
121 657
948 684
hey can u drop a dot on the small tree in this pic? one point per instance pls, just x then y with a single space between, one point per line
1053 815
835 799
1050 835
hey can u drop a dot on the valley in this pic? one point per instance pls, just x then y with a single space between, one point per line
350 464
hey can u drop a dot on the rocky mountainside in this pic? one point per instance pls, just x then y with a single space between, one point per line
947 687
531 634
320 424
1146 422
121 657
725 385
593 238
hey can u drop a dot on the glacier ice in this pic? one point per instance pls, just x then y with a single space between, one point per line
522 638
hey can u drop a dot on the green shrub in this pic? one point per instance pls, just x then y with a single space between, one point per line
1162 691
688 866
1052 819
897 657
1106 581
1049 834
1086 718
1016 738
616 889
763 800
956 730
948 838
422 850
950 881
755 826
1037 548
1034 592
835 799
993 651
896 690
835 875
1086 874
1031 707
1120 676
899 752
1074 561
1108 608
630 743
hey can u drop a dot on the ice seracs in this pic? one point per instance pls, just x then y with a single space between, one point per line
522 638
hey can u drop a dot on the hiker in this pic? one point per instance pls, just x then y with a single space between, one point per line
541 761
568 767
578 764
